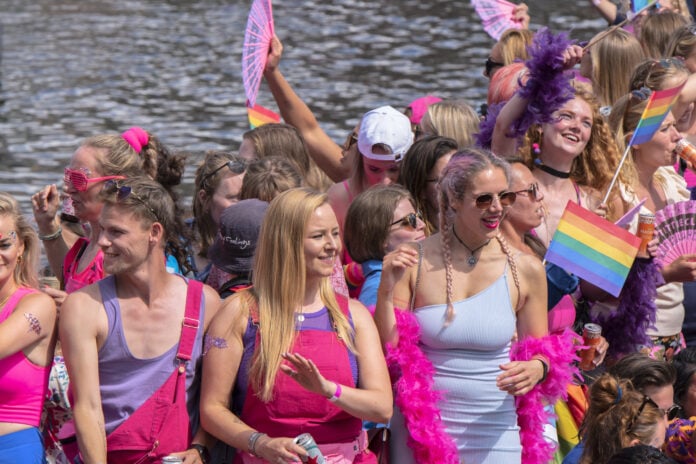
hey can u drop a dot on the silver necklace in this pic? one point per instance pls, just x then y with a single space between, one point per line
472 260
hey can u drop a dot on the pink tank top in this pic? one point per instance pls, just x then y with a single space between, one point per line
92 273
23 384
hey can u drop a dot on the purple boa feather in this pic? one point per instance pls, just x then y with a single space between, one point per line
484 138
626 327
547 88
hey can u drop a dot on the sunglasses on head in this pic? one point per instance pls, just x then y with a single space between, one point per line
79 180
531 192
235 166
670 413
486 200
351 140
124 191
490 64
410 220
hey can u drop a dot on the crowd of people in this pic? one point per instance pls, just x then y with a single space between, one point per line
388 296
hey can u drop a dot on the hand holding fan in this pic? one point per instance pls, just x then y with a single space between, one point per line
497 16
675 227
257 41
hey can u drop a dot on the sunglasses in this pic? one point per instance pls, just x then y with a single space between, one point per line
410 220
124 191
532 192
79 180
486 200
490 64
670 413
235 166
351 140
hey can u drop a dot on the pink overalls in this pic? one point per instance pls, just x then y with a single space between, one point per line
295 410
161 426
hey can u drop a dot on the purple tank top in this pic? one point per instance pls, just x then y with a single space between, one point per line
126 382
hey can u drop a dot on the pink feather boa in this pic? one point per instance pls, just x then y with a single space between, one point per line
560 350
412 375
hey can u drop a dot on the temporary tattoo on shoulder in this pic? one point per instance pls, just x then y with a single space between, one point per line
213 342
34 324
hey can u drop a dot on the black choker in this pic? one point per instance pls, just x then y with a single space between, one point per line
554 172
472 259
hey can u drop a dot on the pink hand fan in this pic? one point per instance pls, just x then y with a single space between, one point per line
496 16
257 42
675 227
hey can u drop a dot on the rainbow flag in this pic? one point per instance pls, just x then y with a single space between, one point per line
660 103
258 116
593 248
638 5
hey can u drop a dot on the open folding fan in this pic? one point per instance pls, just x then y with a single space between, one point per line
257 41
675 227
496 16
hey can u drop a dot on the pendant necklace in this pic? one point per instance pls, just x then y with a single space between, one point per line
472 259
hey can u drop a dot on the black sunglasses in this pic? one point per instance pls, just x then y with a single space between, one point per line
671 413
351 140
410 220
124 191
235 166
490 64
486 200
531 192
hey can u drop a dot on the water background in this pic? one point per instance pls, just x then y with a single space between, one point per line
74 68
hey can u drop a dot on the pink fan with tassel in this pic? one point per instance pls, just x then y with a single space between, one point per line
675 227
497 16
257 42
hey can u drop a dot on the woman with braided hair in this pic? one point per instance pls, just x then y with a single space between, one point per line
449 309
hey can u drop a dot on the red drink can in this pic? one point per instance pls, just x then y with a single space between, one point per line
686 151
313 452
646 230
591 334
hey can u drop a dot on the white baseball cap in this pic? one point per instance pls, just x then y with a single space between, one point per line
385 126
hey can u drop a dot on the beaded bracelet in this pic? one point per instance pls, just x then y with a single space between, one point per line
53 236
253 438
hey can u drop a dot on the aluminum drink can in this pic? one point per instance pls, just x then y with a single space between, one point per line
686 151
646 230
307 442
172 460
591 334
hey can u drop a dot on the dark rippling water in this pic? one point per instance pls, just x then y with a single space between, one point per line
74 68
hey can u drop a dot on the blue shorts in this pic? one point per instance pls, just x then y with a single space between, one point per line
23 447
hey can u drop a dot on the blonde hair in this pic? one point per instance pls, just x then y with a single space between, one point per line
26 271
279 281
617 49
451 118
682 42
513 45
656 32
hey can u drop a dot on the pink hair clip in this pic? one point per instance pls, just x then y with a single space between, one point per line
535 148
136 138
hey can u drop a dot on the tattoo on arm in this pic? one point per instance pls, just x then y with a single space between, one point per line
34 324
213 342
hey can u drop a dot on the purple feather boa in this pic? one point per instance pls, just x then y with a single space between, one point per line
484 138
626 327
547 88
561 351
416 397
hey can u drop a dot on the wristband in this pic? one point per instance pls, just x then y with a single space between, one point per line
203 452
253 438
337 393
53 236
545 368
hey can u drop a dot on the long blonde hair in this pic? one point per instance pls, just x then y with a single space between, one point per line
279 282
25 272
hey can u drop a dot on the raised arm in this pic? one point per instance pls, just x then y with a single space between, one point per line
606 8
80 321
324 151
45 204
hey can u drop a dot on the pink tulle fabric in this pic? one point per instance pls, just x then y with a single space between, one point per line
561 351
412 377
136 138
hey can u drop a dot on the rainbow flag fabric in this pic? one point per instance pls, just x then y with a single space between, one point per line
593 248
660 103
258 116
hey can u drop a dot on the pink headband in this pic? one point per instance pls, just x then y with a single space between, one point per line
136 138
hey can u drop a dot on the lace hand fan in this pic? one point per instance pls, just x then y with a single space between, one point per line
675 227
257 42
496 16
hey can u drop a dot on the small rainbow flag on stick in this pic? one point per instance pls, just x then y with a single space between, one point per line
593 248
258 116
660 103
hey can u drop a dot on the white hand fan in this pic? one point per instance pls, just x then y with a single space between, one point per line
675 227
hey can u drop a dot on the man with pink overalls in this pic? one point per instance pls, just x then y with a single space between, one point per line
132 341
